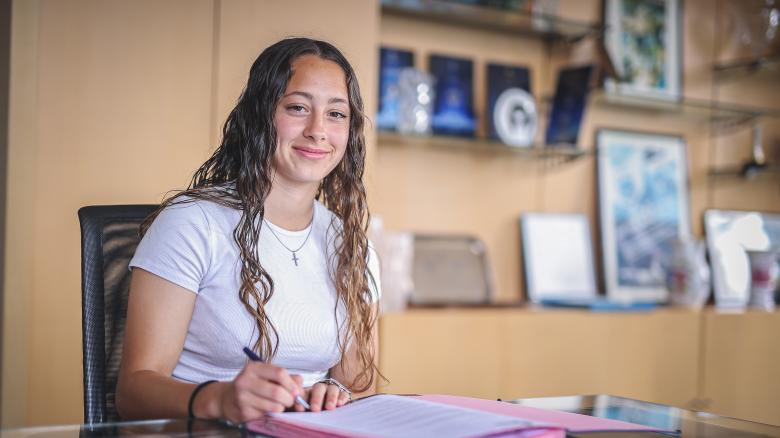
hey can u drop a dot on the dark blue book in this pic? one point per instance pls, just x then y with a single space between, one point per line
499 79
391 61
571 94
453 108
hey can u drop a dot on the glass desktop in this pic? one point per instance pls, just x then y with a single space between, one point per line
682 422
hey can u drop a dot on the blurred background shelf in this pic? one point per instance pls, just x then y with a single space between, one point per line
560 153
745 171
520 22
688 107
764 68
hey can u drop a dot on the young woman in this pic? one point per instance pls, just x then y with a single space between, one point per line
266 249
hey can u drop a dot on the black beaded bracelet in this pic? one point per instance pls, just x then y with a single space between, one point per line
195 393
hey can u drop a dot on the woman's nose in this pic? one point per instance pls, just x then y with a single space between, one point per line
315 129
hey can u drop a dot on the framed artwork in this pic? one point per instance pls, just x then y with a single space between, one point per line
500 78
453 108
730 235
643 208
557 257
451 269
391 62
568 108
643 39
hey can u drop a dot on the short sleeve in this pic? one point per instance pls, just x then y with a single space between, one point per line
374 283
177 246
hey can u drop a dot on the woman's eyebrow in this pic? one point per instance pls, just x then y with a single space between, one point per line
309 96
300 93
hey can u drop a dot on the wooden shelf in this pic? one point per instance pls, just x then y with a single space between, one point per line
563 153
765 68
727 173
544 26
689 107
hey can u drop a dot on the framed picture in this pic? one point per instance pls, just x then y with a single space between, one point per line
643 208
391 62
569 103
453 108
451 269
730 235
643 39
557 257
500 78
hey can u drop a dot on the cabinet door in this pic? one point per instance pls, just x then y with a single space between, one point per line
441 352
524 353
741 363
647 356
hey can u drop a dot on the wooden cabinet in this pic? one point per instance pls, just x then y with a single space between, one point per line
515 353
455 352
724 363
741 372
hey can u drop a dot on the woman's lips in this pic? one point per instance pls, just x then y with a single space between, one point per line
311 153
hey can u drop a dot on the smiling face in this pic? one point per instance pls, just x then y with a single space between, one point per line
312 122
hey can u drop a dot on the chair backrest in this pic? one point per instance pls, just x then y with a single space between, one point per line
109 237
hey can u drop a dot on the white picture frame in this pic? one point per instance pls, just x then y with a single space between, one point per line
730 235
643 207
643 40
557 257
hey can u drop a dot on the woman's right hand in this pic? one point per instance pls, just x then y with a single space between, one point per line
258 389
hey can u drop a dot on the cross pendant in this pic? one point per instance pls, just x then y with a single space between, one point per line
295 259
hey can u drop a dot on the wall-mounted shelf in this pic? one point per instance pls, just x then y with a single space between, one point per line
544 26
752 69
560 154
765 68
689 107
727 173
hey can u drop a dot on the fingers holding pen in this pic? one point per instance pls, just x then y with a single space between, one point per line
294 384
271 382
298 407
243 405
258 389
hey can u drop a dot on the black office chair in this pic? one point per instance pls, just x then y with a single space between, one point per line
109 237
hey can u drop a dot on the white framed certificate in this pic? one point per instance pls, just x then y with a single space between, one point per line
557 257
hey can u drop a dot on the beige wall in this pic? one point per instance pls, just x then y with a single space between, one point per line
116 101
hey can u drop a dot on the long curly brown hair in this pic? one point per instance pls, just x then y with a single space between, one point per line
239 174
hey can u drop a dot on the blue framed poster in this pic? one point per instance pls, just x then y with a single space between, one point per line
391 61
453 108
568 108
643 208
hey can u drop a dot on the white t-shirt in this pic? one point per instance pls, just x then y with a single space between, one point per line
191 245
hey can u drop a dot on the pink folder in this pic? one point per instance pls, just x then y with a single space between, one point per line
299 425
570 421
548 423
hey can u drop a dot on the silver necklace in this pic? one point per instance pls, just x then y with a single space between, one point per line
293 251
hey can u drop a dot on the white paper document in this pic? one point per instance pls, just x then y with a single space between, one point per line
399 416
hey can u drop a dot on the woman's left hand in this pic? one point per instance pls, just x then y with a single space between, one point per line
324 397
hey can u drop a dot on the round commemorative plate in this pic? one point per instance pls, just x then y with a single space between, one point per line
514 117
